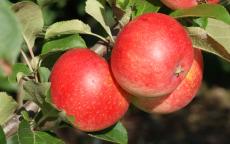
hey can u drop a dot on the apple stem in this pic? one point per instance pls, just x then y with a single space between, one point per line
202 1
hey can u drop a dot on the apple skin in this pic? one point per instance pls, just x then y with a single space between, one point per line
184 4
148 53
180 97
82 86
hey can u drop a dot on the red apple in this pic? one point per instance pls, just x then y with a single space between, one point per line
82 86
183 4
180 97
151 56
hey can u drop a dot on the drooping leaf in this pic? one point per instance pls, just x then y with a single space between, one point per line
96 10
36 91
143 6
2 136
31 19
202 40
10 34
67 27
64 43
220 32
204 10
7 107
116 134
25 135
18 67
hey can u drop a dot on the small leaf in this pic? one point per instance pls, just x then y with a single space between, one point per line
64 43
18 67
25 135
25 115
202 40
7 107
36 91
2 136
10 34
96 10
67 27
202 22
31 19
116 134
143 6
204 10
44 74
122 4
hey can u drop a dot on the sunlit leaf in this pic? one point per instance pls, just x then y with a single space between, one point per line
215 39
64 43
30 17
7 107
67 27
204 10
96 10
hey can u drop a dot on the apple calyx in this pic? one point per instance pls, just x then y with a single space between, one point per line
179 70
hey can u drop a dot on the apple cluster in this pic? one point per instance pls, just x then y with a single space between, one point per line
153 66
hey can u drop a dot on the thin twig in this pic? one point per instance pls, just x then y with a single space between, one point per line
27 61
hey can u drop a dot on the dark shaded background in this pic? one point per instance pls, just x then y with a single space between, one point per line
204 121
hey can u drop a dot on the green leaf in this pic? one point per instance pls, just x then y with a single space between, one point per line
7 107
25 135
25 115
18 67
220 32
116 134
44 74
143 6
64 43
49 110
122 4
6 85
202 40
2 136
30 17
202 22
96 10
45 138
204 10
36 91
10 34
67 27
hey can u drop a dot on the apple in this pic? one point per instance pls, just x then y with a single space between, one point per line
82 86
180 97
183 4
152 55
